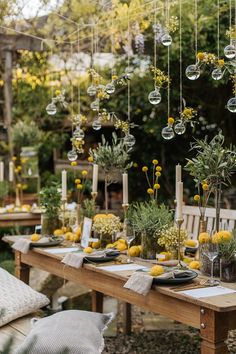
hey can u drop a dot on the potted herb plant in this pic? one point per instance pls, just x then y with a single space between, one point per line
50 201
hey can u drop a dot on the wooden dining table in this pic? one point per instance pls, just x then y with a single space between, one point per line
214 316
20 219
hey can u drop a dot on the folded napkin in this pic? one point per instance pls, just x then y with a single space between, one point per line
139 282
22 245
76 259
177 273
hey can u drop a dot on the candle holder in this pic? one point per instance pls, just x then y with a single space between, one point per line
94 195
17 200
125 209
180 265
64 200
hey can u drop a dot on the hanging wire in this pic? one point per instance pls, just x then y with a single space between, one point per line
196 27
168 87
72 87
155 42
180 59
129 49
79 92
218 29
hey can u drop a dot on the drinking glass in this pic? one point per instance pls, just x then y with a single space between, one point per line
129 233
211 251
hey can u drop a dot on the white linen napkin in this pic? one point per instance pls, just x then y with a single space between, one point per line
76 259
22 245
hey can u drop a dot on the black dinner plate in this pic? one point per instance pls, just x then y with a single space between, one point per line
109 257
52 242
175 280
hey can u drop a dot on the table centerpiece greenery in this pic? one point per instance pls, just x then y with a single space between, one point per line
169 239
105 225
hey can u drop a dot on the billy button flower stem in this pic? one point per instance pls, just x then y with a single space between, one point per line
154 162
150 190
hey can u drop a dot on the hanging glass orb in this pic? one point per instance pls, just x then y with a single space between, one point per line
154 97
230 51
129 140
95 105
217 74
180 128
78 134
110 88
167 132
97 124
231 105
166 40
192 72
92 90
51 109
72 155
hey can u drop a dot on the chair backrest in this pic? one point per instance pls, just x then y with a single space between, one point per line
191 215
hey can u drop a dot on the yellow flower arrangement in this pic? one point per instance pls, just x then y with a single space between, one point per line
169 238
153 187
159 77
204 237
106 225
188 113
222 236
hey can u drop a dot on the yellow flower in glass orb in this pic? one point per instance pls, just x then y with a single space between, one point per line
205 187
196 197
90 159
157 186
221 62
200 56
145 169
204 237
155 162
100 94
79 186
84 173
114 77
171 120
77 181
73 163
158 168
158 174
150 191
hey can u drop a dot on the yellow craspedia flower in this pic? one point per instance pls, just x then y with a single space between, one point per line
224 236
135 165
221 62
23 160
100 94
155 162
215 238
204 237
57 92
14 158
24 187
19 185
158 168
145 169
114 77
79 186
19 168
77 181
196 197
200 56
90 159
84 173
158 174
96 81
156 186
205 187
171 120
150 191
73 163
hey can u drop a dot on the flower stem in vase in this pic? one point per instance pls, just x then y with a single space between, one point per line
106 193
217 206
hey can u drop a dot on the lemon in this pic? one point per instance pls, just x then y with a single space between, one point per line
204 237
35 237
110 245
58 232
69 235
78 232
194 265
65 229
140 248
190 243
134 251
96 244
187 260
121 240
156 270
121 246
88 250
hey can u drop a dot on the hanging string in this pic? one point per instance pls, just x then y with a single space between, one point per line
92 45
230 14
180 59
168 87
129 49
112 44
72 87
155 42
218 29
196 27
78 53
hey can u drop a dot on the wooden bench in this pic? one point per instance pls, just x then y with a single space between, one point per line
191 215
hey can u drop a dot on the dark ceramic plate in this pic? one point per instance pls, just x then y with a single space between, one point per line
175 280
109 257
53 241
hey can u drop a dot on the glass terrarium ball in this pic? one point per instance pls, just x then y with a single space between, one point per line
217 74
231 105
97 124
92 90
154 97
166 40
78 134
51 109
95 105
230 51
192 72
129 140
167 133
110 88
72 155
180 128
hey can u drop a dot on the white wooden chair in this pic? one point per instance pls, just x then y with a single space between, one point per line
191 215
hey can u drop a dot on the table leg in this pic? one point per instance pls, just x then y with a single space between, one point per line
127 318
97 301
22 270
214 328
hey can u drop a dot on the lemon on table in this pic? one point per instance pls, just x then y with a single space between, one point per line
96 244
78 232
134 251
110 245
190 243
121 246
88 250
68 236
35 237
156 270
194 265
121 240
58 232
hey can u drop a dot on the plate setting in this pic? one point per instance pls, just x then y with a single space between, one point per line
52 241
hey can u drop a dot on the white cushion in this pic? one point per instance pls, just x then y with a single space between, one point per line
17 299
70 332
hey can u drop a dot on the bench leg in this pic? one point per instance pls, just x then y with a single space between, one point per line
214 331
22 271
97 301
127 318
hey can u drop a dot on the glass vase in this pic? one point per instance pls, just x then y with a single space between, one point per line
49 224
205 263
228 270
149 246
105 239
29 154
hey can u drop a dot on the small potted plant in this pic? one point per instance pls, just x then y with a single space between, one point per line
227 252
50 201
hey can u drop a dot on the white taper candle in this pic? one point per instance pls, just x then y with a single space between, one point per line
64 185
11 171
179 205
1 171
95 178
178 177
125 188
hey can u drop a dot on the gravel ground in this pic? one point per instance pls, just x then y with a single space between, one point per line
156 342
